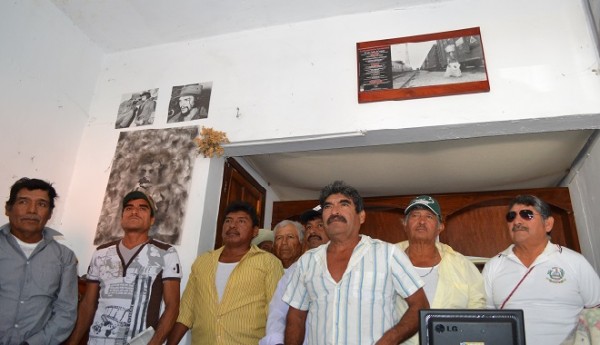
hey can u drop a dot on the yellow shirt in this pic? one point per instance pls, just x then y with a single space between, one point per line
241 316
460 284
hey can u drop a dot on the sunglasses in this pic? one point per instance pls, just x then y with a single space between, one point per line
525 214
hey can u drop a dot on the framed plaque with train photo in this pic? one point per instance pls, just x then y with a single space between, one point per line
438 64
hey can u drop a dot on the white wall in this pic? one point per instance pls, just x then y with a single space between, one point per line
48 72
584 187
300 79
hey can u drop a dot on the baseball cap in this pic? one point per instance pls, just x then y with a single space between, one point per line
426 201
138 194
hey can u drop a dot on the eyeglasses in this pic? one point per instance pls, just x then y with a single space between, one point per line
525 214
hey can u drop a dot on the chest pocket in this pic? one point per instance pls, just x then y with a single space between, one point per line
45 276
370 287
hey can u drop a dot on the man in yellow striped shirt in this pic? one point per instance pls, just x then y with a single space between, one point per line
226 300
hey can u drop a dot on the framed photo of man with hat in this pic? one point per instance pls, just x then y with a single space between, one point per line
189 102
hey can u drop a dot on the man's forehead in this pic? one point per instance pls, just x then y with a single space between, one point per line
237 214
141 202
287 228
338 197
421 209
522 206
27 193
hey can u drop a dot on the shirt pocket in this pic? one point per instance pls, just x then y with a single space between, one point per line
370 287
46 276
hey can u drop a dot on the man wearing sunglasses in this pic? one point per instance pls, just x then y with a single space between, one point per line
551 283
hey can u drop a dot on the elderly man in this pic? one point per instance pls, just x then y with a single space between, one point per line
314 229
451 280
359 279
127 280
288 242
226 300
288 248
38 290
551 283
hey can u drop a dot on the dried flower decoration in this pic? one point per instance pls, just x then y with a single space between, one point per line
209 142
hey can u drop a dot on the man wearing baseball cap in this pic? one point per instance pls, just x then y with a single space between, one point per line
451 280
127 280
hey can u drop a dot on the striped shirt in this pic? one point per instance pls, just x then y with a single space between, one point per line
359 308
241 315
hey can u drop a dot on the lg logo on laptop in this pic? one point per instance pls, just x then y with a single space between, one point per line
441 328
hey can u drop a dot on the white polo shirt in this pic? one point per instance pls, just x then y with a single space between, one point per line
561 283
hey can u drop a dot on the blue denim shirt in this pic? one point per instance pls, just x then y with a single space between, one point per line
38 296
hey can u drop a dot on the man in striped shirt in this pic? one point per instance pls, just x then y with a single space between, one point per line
348 287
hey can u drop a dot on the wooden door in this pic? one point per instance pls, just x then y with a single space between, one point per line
239 185
475 223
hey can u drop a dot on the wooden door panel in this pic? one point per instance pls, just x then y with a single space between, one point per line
475 222
479 230
239 185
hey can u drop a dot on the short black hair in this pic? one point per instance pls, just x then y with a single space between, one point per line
243 206
340 187
31 184
310 215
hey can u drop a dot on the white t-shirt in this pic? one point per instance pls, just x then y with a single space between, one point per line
27 248
222 276
430 276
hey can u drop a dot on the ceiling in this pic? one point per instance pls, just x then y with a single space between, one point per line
117 25
461 165
475 164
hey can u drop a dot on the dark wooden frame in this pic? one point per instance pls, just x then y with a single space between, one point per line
251 192
375 68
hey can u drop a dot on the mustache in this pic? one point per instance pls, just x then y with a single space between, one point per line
336 218
315 236
519 227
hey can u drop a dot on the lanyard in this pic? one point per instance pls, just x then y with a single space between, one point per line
516 287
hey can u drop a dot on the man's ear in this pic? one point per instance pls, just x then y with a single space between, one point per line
255 231
362 215
548 224
441 227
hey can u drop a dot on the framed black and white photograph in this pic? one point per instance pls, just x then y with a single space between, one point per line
137 109
189 102
158 162
439 64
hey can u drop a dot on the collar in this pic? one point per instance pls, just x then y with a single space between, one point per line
48 233
442 248
551 248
